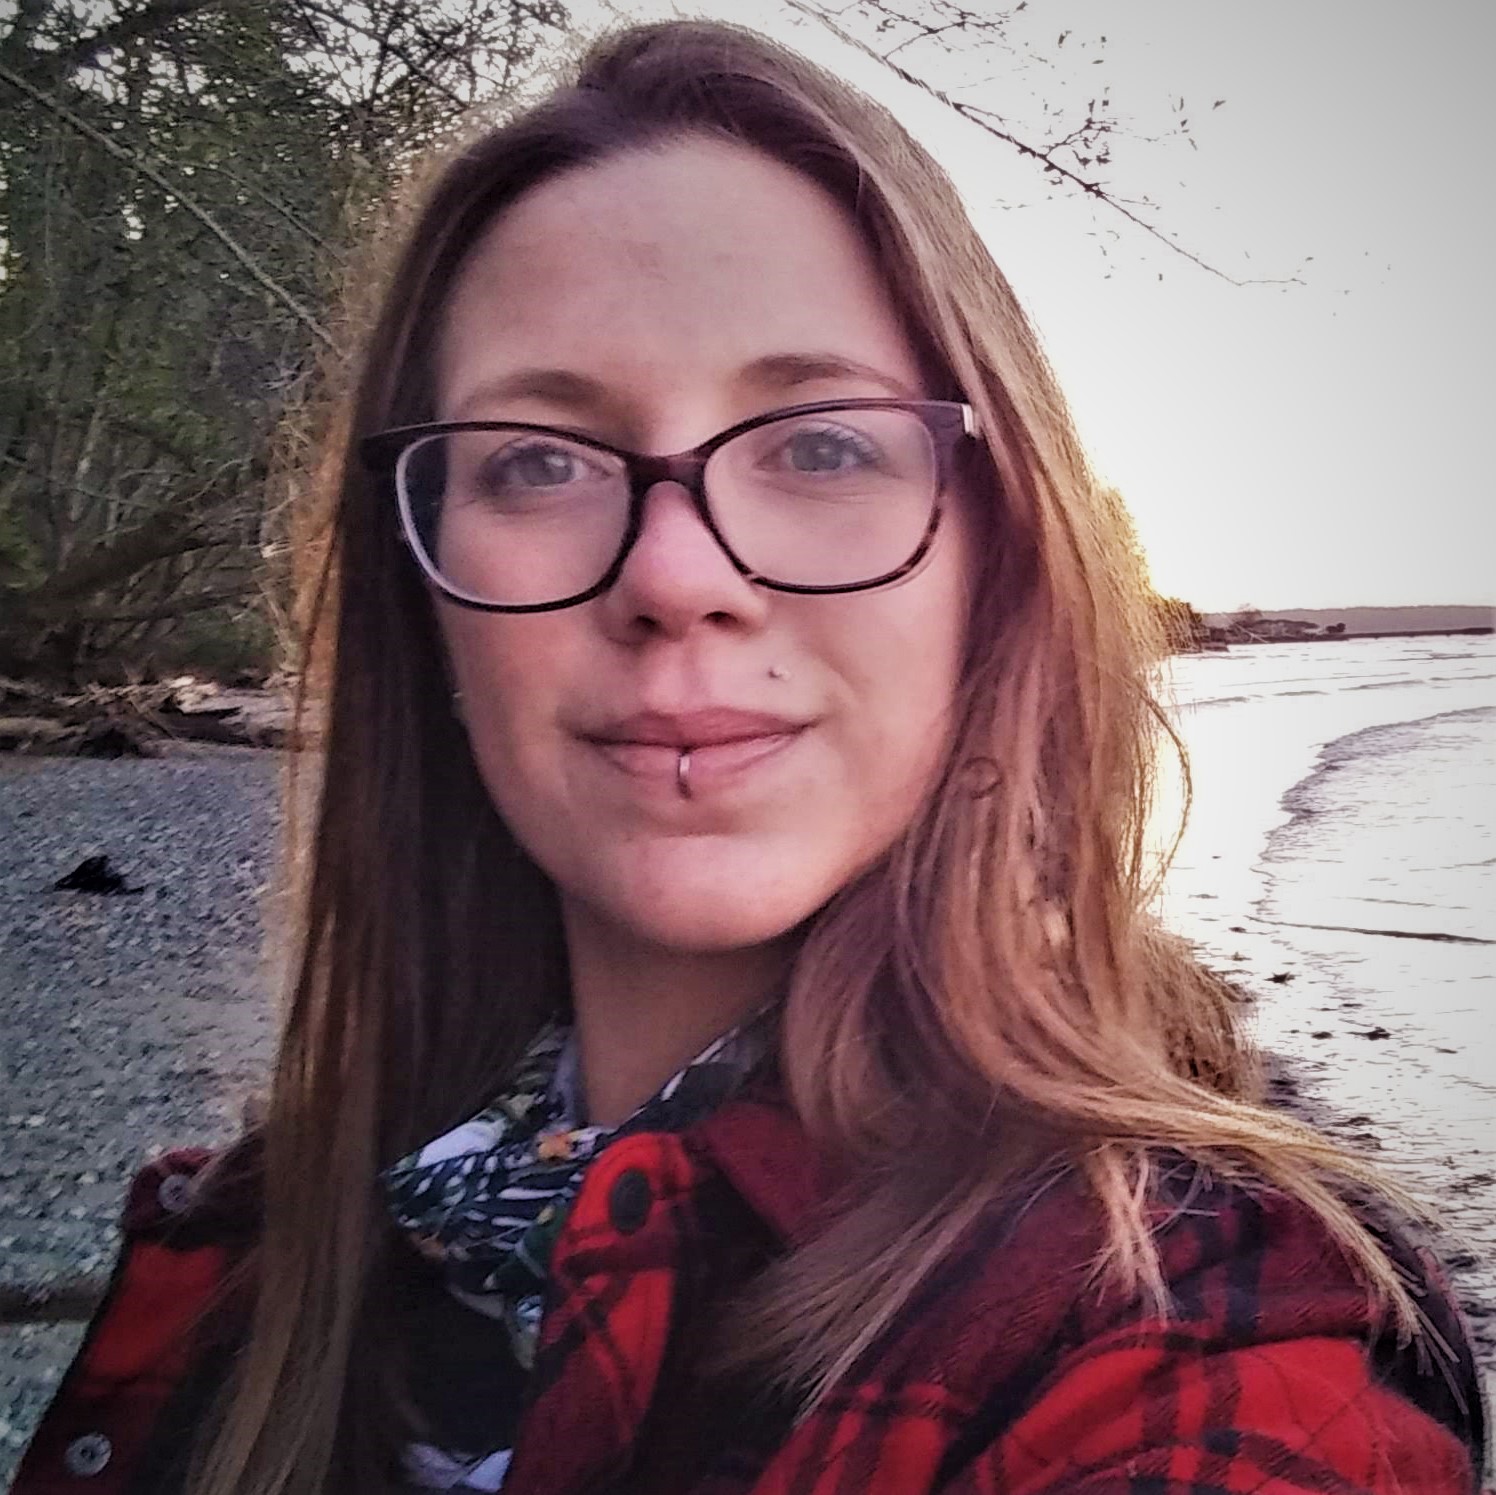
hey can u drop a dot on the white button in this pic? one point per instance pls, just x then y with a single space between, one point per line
87 1456
174 1193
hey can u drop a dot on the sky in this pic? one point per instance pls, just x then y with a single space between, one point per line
1316 441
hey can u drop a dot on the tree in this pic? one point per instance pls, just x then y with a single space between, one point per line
1184 628
180 185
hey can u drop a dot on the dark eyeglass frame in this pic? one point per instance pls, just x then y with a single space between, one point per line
949 423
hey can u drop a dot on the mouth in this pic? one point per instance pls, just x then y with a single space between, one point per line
723 746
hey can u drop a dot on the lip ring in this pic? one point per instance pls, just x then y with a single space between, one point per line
672 766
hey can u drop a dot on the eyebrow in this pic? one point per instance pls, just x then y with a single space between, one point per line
555 386
777 371
771 374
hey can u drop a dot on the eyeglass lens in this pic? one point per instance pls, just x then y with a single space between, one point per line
523 518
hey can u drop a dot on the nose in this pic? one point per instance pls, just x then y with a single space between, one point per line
677 576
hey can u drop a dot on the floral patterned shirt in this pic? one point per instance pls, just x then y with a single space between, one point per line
484 1204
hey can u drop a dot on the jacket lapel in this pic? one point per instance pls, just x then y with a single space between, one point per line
645 1226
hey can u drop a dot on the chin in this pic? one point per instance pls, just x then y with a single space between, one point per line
696 925
709 906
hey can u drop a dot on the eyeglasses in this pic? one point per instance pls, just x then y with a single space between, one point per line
837 496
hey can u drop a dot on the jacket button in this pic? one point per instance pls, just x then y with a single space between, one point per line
629 1201
174 1193
87 1456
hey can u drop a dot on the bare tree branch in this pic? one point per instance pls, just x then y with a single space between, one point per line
29 14
266 282
276 206
151 18
1043 157
385 42
166 533
175 606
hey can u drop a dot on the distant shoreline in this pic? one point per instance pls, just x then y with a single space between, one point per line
1435 617
1214 646
1210 631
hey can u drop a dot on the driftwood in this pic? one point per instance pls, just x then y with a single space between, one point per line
30 733
138 720
65 1300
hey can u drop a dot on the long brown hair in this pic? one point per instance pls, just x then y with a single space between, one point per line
991 994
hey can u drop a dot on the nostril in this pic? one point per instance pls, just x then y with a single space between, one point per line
648 623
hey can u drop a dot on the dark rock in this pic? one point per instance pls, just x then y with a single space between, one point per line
93 875
1473 1181
109 739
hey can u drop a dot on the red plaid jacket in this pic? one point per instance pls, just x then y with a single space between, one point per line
1008 1375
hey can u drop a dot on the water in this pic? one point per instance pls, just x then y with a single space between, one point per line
1341 860
1344 829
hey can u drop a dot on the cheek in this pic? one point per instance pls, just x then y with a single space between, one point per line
501 675
901 667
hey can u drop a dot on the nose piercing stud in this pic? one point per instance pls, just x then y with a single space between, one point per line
683 774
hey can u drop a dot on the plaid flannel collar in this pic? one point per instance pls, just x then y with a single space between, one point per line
489 1198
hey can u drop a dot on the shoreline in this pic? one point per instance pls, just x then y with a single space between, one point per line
153 720
1289 1086
1335 797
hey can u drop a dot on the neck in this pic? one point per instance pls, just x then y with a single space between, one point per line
644 1012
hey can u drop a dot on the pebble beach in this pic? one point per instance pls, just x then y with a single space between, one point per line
128 1023
142 1020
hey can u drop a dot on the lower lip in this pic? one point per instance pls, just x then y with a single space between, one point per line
714 765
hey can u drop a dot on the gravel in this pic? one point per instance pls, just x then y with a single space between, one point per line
128 1023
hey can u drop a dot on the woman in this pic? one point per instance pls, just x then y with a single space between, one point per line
729 1053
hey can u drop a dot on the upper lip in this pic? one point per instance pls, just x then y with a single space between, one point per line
701 728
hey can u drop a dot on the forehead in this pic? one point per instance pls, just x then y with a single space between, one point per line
667 272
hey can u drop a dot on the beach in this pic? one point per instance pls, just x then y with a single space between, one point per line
128 1024
1340 864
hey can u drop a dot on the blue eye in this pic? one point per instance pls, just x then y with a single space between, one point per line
533 465
829 449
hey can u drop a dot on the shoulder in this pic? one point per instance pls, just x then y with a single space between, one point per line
189 1217
1266 1332
194 1196
1240 1262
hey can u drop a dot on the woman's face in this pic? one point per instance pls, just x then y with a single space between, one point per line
651 302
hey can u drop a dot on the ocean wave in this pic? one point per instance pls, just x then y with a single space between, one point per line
1300 801
1396 814
1369 740
1439 936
